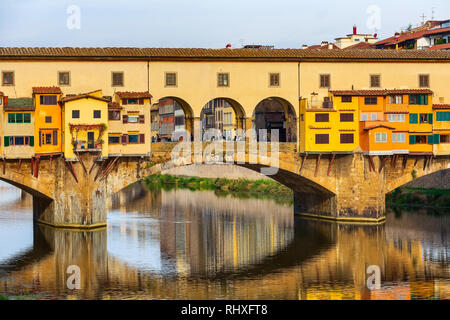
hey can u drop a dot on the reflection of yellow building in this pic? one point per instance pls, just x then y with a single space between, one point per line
85 118
47 119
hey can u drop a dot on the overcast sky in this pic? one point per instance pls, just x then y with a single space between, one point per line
204 23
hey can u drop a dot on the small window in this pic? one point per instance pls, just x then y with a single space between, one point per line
380 137
19 141
424 118
444 138
48 119
398 99
424 81
114 139
48 100
223 80
133 138
132 101
117 79
325 81
27 118
364 117
113 115
274 80
370 100
322 138
19 117
418 99
398 137
171 79
421 139
8 78
97 114
11 118
375 81
64 78
346 117
347 138
133 118
75 114
322 117
346 99
373 116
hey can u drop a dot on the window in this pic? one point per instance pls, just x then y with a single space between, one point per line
444 138
274 80
413 118
364 117
48 100
227 118
380 137
322 138
370 100
421 139
373 116
114 139
398 137
443 116
424 81
133 118
113 115
322 117
19 141
75 114
97 114
396 117
27 118
8 78
423 118
346 117
419 99
64 78
133 138
346 99
347 138
48 119
19 117
398 99
223 80
11 118
171 79
117 79
375 81
325 81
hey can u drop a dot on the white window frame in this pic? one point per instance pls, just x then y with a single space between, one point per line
398 137
383 135
364 117
372 116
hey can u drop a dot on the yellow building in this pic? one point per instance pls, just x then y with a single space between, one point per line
47 120
18 128
331 127
441 128
129 124
85 118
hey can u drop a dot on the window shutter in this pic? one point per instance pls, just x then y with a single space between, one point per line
141 118
31 141
40 138
110 115
425 100
124 101
413 117
124 139
6 141
430 139
430 118
412 139
141 101
125 118
436 138
142 138
55 138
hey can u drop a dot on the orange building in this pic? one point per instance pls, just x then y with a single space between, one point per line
47 120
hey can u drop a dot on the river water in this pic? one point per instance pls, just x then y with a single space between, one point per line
182 244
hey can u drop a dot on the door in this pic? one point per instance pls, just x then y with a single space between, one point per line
90 138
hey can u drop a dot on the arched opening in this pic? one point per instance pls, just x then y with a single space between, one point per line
170 117
221 118
276 113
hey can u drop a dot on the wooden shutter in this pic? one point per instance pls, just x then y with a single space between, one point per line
142 138
125 118
141 118
124 101
110 115
141 101
6 141
40 137
125 139
31 141
430 118
55 137
412 139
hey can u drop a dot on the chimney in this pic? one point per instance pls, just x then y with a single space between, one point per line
330 46
305 46
324 44
355 30
228 46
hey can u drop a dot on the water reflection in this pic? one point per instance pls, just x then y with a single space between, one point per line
181 244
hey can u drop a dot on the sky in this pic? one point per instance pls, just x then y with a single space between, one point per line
204 23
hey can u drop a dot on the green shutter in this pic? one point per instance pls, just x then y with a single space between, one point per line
6 141
412 139
11 118
410 99
31 141
430 118
413 118
425 99
430 139
27 117
439 116
436 138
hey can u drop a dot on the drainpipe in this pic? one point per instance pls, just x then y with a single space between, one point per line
148 75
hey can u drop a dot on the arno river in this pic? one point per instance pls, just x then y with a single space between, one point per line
182 244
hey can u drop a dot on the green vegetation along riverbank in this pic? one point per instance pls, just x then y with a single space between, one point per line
419 197
243 188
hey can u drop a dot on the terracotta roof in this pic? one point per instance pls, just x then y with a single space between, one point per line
324 47
411 36
81 96
233 54
379 126
134 95
114 105
361 45
386 92
44 90
441 106
444 46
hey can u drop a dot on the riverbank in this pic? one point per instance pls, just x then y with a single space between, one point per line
420 197
242 188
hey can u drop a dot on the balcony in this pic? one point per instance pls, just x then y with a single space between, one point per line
396 108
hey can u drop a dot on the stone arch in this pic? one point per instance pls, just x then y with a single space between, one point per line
34 192
222 103
283 114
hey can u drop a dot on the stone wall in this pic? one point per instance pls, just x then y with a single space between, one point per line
437 180
214 171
